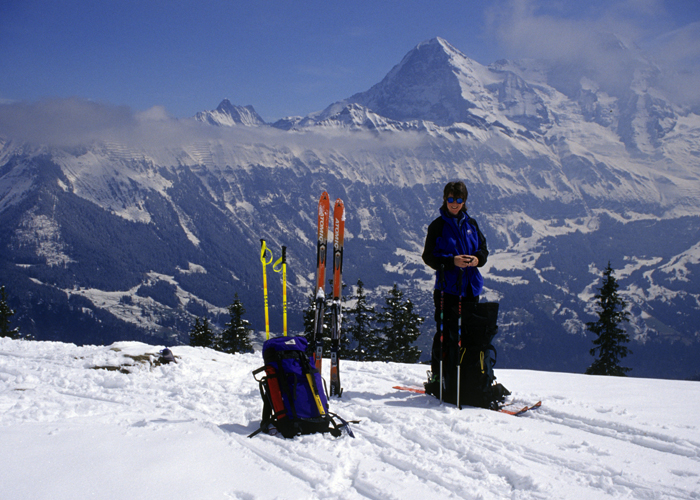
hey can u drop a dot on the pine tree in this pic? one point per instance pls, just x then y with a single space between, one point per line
344 343
201 334
361 329
399 329
5 314
308 315
236 336
611 337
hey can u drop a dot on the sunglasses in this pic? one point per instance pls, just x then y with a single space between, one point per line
452 199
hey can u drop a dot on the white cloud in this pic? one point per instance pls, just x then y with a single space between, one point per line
606 41
75 122
65 122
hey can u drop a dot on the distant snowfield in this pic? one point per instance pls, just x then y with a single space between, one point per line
68 431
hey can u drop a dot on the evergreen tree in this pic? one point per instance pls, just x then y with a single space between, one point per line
399 329
236 336
361 331
344 343
5 314
611 337
201 334
308 315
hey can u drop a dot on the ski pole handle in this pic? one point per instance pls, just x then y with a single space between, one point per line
263 250
281 265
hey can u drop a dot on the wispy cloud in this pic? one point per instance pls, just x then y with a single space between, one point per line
679 52
67 123
608 41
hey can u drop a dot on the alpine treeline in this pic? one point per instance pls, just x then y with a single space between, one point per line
5 314
236 337
371 335
367 334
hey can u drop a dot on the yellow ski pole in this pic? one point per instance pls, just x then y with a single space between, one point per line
265 262
276 268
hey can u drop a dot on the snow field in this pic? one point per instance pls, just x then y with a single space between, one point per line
68 430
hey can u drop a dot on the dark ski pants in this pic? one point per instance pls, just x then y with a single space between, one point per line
448 352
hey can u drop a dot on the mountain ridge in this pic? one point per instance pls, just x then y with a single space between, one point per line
131 234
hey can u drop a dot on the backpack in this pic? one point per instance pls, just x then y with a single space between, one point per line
166 356
476 359
478 356
294 397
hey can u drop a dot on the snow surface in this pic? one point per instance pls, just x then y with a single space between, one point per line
138 430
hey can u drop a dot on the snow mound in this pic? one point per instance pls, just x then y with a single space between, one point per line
110 422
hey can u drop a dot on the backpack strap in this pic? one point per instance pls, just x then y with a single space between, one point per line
310 371
337 429
482 355
267 404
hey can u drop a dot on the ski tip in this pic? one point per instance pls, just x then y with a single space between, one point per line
520 411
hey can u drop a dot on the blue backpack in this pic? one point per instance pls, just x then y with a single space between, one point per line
293 393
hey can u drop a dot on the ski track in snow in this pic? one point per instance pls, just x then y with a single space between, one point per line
183 428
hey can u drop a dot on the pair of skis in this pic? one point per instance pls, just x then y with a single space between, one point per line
511 408
320 299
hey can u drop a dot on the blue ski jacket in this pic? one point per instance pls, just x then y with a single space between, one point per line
447 237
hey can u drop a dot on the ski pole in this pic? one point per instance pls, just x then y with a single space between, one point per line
265 262
282 261
459 338
442 323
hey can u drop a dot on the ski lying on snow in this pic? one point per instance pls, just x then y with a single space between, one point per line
411 389
510 408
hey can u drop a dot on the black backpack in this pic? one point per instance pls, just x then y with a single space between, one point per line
476 358
478 385
294 397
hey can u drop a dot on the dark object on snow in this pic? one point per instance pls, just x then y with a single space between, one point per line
294 399
166 356
477 357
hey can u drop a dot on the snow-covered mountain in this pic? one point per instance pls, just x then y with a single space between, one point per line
227 114
455 91
109 422
130 231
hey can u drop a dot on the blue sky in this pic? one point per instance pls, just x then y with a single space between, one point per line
294 57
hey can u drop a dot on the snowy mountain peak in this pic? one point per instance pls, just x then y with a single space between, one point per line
433 82
438 45
228 114
357 117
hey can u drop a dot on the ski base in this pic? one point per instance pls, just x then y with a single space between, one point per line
510 408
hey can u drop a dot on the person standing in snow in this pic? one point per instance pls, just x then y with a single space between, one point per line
455 248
